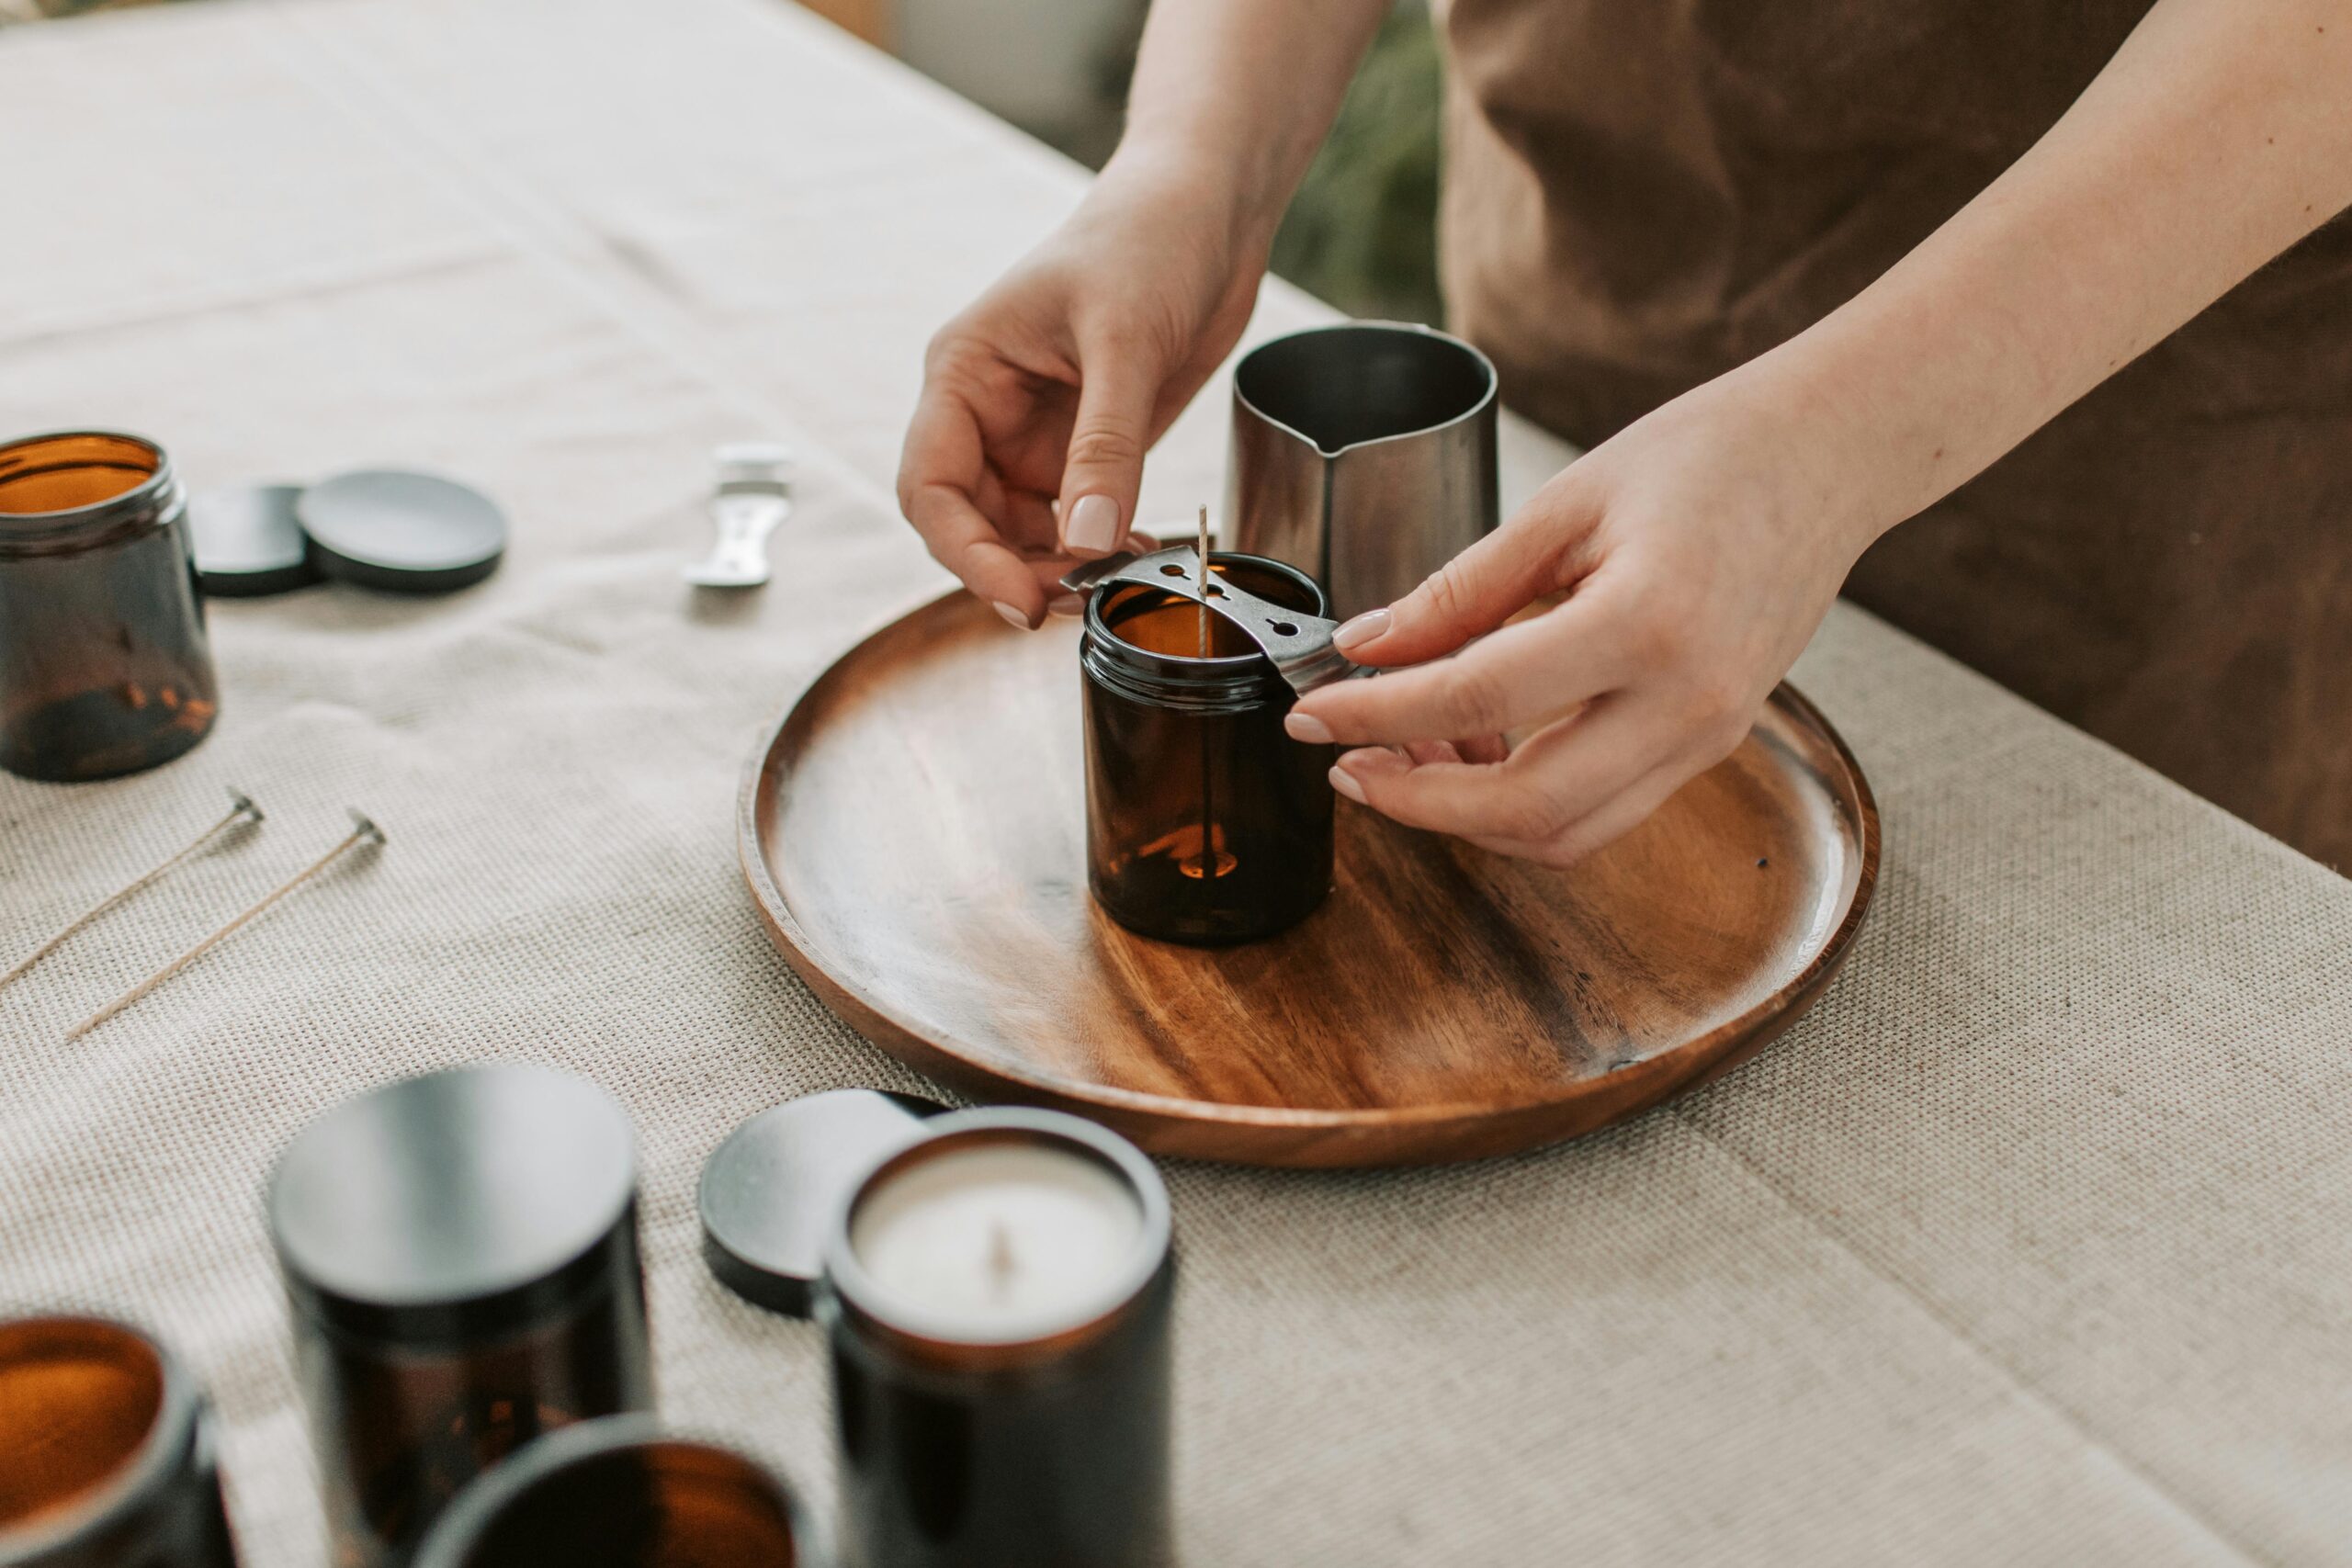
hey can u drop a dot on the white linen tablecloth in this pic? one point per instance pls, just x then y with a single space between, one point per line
2032 1243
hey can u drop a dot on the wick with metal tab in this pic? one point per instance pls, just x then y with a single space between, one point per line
363 831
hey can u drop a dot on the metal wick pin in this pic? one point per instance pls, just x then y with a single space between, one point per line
242 811
362 832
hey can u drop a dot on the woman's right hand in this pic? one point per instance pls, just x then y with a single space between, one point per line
1041 397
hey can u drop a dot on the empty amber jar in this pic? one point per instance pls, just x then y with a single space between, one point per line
621 1493
104 668
460 1253
106 1452
1204 822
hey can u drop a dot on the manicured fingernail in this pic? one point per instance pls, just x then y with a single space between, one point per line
1361 629
1065 604
1346 785
1013 617
1091 525
1307 727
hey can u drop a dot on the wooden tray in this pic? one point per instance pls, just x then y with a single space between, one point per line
912 832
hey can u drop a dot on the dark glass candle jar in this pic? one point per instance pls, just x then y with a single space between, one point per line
107 1450
620 1493
1204 822
460 1255
103 667
997 1301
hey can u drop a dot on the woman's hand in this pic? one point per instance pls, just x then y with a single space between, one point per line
1040 399
1698 549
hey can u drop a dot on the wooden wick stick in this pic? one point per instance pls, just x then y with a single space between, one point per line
363 829
1204 549
1208 774
242 809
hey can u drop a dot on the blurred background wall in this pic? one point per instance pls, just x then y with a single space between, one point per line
1363 231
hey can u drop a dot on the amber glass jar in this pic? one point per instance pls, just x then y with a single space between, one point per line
621 1493
460 1253
104 668
106 1452
1204 822
993 1428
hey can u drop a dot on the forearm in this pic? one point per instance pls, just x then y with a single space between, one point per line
1235 95
2219 135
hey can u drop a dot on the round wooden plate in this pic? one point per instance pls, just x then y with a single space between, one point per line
912 832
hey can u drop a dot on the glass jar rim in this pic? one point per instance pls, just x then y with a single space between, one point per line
151 497
1183 668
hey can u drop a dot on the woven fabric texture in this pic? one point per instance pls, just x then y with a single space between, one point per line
2032 1243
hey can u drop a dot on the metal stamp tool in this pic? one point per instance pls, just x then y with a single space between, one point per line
754 495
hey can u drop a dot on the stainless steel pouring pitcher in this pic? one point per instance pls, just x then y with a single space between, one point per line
1364 454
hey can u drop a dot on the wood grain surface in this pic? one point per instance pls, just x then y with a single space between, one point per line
912 832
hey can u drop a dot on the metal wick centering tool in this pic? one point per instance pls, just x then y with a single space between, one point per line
754 494
1299 645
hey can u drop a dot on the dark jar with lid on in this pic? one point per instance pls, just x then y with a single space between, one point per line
1204 822
103 667
460 1255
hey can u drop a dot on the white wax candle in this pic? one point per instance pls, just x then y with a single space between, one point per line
998 1242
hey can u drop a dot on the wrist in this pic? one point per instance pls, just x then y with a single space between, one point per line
1174 178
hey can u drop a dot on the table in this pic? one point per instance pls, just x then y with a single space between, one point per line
2032 1243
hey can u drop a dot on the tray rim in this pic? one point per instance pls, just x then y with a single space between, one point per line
979 1069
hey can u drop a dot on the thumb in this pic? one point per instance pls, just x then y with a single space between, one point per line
1467 597
1102 469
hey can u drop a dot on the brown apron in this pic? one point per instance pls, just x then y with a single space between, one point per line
1642 193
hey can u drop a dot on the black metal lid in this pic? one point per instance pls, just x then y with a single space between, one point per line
769 1191
247 542
404 532
461 1202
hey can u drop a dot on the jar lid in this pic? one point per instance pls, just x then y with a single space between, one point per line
247 542
769 1191
402 532
461 1201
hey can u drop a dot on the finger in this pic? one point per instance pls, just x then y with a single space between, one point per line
1103 470
941 473
967 544
1483 749
1422 751
1550 782
1606 823
1524 674
1468 596
1024 519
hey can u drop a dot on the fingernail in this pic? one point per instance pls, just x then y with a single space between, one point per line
1092 525
1065 604
1361 629
1013 617
1346 785
1307 727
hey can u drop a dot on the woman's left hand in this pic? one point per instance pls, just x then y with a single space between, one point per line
1698 549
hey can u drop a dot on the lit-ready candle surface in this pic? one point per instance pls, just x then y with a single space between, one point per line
999 1241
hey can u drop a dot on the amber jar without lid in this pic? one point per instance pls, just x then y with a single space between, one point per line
1204 822
107 1450
621 1493
460 1253
104 666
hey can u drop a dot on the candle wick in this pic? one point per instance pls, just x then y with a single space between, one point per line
1001 1266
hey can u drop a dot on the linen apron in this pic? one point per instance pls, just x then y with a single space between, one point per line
1642 193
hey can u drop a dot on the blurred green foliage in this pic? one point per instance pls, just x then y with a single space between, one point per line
1363 231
